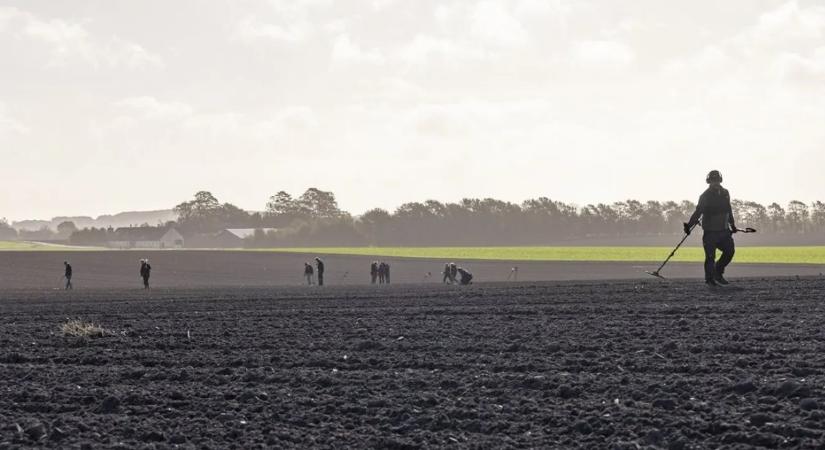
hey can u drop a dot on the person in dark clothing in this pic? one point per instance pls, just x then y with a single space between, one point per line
320 266
386 273
453 273
308 272
68 275
374 271
718 224
466 276
381 273
145 272
446 274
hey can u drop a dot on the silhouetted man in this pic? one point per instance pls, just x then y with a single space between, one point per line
320 265
374 271
308 272
145 272
386 273
718 224
446 279
466 276
381 272
68 274
453 273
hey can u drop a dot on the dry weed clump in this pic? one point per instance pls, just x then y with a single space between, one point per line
78 328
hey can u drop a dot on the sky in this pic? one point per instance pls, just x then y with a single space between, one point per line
114 105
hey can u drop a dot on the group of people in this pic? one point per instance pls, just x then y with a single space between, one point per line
145 273
454 274
380 272
309 272
713 212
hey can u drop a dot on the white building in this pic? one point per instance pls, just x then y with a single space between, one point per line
147 237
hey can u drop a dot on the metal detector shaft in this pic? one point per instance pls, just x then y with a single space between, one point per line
684 238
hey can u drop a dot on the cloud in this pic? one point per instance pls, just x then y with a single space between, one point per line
710 59
251 30
604 54
345 51
291 119
787 24
231 124
298 7
9 125
785 38
427 49
796 68
493 23
151 108
71 41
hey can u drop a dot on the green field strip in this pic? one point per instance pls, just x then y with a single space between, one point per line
766 255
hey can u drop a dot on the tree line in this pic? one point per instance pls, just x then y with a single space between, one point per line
315 219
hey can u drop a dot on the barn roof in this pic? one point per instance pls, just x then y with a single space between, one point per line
244 233
140 233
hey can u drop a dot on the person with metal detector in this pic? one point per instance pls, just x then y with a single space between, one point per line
718 224
67 273
320 271
145 272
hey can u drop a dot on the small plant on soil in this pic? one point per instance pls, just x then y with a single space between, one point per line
78 328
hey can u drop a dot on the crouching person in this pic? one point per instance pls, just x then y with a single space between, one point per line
464 275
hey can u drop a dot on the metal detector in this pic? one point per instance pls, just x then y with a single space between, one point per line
656 274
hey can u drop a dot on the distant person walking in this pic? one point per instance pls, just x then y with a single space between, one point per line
718 224
466 276
308 272
320 265
386 273
382 272
145 272
453 273
67 273
446 274
374 271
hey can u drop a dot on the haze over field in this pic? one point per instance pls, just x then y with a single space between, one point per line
110 106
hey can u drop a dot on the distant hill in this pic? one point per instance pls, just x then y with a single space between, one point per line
123 219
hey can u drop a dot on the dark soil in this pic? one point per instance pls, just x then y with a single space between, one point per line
595 365
119 269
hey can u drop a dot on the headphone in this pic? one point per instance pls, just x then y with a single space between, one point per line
713 176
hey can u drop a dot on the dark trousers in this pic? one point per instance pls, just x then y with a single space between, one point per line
320 278
69 282
145 282
717 240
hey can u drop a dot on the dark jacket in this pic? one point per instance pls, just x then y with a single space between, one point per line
320 265
714 209
68 271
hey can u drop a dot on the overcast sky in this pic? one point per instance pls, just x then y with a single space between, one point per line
114 105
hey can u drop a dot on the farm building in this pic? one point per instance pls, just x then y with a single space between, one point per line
146 237
234 237
226 238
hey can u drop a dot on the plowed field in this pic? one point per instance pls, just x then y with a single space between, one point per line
623 364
